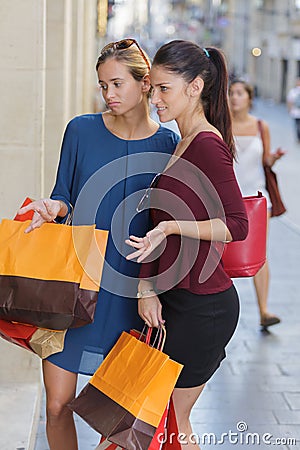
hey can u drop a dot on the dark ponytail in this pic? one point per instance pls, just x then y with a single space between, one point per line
189 60
215 97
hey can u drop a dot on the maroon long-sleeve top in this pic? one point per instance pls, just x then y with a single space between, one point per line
200 185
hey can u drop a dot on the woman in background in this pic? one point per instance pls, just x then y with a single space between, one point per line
251 157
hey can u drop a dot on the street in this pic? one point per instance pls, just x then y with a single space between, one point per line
253 400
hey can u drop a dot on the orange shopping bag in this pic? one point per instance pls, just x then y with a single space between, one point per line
128 395
50 277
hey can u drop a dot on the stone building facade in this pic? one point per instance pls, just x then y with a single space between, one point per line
47 76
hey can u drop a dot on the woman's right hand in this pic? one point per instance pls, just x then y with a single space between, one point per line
45 210
149 309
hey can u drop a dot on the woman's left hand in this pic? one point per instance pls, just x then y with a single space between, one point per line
148 243
277 155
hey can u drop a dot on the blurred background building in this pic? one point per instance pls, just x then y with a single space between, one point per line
261 38
48 54
49 49
47 59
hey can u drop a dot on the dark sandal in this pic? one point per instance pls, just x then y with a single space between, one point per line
268 321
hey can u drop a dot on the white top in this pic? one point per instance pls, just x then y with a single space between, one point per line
248 166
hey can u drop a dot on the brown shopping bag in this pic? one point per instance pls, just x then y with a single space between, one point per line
47 342
128 395
155 444
50 277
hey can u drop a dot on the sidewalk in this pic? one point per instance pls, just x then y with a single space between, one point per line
20 395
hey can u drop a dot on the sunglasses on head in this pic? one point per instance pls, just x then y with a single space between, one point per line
122 45
142 203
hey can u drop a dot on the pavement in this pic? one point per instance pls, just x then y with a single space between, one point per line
20 397
253 400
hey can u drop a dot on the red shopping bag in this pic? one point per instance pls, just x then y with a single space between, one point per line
170 441
156 443
17 333
104 444
26 216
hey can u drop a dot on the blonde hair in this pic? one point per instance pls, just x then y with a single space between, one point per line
131 57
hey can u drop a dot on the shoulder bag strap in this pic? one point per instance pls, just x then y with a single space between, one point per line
261 131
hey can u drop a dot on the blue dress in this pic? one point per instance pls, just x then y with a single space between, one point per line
104 177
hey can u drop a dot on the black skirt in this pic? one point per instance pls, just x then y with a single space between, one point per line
198 329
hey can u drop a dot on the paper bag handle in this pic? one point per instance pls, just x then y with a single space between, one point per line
160 337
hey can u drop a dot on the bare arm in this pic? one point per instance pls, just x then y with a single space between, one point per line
289 105
208 230
269 158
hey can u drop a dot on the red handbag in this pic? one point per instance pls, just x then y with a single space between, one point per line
245 258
